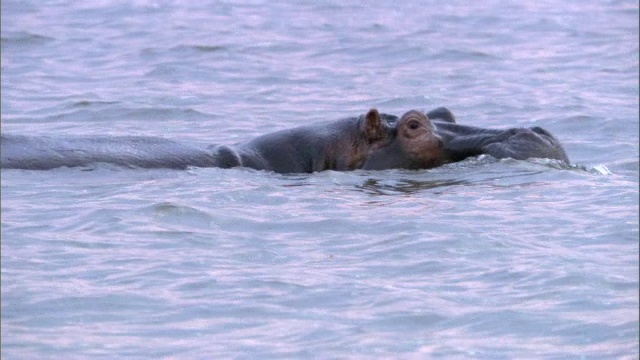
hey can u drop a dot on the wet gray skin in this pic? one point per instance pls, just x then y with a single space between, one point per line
342 145
372 141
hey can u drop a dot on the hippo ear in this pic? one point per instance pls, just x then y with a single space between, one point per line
373 128
441 114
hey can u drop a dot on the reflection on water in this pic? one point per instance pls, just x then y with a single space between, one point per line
378 187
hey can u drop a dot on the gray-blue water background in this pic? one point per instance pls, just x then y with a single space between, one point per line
480 259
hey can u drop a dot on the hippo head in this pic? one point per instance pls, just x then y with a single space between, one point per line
413 145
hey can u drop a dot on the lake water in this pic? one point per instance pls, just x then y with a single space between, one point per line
479 259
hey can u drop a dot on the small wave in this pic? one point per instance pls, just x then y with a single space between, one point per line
404 186
182 49
172 215
23 38
484 159
457 55
89 103
88 111
205 48
479 160
599 169
402 101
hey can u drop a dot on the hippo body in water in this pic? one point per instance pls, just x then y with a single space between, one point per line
49 152
373 141
364 142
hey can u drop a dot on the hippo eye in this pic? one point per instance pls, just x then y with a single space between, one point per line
414 124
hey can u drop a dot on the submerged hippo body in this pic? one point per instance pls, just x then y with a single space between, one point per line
48 152
366 142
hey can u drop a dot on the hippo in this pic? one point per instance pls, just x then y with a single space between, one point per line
364 142
462 141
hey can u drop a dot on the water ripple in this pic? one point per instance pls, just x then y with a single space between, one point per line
238 263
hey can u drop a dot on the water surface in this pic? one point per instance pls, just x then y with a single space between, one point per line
479 259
